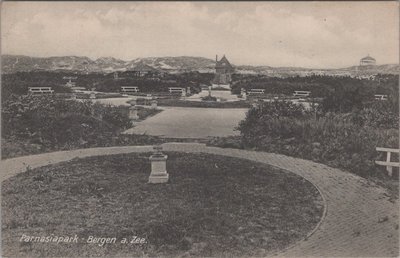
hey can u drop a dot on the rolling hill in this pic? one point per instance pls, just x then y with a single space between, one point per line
20 63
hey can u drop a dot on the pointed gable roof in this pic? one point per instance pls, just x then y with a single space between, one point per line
223 63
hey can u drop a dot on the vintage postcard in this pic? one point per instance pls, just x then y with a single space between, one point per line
200 129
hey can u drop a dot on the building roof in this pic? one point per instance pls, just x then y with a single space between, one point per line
223 63
368 58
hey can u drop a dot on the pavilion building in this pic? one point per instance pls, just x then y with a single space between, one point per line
223 73
367 61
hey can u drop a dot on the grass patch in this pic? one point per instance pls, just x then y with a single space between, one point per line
144 113
212 206
16 147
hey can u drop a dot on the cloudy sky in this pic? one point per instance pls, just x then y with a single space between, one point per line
307 34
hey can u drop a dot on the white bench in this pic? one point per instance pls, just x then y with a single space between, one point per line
381 97
40 90
176 90
256 91
388 163
129 89
301 93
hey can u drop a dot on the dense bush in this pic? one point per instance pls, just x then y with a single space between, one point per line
18 83
339 94
209 98
378 114
59 123
341 140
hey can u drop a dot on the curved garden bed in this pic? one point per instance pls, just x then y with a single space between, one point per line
212 206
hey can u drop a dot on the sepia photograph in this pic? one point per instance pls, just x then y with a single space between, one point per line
199 129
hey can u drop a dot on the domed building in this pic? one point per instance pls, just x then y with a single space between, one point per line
367 61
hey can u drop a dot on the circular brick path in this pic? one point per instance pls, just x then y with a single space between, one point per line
359 220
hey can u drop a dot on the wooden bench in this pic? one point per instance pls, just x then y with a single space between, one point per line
301 93
388 163
129 89
256 91
40 90
176 90
381 97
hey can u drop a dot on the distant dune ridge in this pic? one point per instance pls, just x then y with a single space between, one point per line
20 63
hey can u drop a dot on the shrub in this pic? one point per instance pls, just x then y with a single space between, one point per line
262 120
59 123
378 114
208 98
341 140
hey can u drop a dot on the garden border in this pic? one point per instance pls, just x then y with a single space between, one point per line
347 230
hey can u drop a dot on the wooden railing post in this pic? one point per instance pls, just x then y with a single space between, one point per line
389 168
388 163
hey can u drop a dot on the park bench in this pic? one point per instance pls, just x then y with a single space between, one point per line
381 97
204 87
301 93
388 163
40 90
78 89
256 91
176 90
129 89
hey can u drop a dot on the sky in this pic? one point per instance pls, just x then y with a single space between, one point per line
304 34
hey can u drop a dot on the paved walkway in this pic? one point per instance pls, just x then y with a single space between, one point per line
359 220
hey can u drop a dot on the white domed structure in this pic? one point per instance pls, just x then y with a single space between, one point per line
367 61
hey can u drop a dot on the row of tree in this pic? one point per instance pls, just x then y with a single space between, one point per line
18 83
341 94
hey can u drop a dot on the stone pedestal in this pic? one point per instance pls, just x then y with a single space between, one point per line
255 103
243 93
154 104
133 113
158 173
92 95
183 92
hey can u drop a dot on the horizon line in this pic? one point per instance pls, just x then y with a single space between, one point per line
263 65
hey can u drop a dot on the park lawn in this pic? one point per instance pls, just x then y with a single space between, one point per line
144 113
212 206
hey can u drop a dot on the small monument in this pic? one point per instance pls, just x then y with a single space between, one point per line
92 95
183 92
158 160
133 112
188 90
243 93
255 103
154 104
209 91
